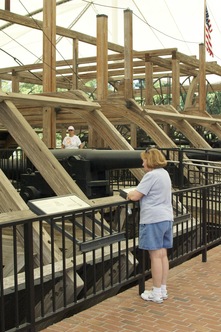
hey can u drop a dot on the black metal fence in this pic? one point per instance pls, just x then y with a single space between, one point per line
56 265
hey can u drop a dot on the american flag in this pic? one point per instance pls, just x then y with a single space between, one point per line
208 30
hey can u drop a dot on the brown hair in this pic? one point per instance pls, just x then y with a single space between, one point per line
154 158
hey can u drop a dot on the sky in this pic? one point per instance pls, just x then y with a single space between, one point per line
157 24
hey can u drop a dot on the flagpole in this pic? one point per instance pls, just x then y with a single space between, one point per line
202 67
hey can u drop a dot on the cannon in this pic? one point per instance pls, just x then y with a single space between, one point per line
89 168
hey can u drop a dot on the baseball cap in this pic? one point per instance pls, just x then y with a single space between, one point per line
70 128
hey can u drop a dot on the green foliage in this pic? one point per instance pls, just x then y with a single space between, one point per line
213 102
6 86
27 88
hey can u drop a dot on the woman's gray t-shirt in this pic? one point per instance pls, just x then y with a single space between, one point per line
156 204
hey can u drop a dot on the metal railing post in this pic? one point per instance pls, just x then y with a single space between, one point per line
29 276
204 224
142 271
181 175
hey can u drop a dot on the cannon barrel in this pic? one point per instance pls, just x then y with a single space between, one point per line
213 154
89 168
101 159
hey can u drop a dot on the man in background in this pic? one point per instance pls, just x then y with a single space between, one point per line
72 141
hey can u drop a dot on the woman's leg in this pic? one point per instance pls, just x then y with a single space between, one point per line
165 266
156 267
159 266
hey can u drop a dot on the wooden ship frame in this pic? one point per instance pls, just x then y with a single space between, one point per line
53 111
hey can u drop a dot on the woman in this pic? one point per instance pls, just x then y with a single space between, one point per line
156 220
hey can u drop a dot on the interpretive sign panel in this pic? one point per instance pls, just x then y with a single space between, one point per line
58 204
125 191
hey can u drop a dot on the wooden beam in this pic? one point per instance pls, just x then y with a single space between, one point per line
102 51
149 80
37 24
128 54
175 81
49 70
7 4
192 118
39 100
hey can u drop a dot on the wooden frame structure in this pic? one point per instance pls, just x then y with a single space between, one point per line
52 110
119 69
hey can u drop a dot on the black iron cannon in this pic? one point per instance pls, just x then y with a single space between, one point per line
89 168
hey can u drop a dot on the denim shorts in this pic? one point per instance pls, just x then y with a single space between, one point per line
156 236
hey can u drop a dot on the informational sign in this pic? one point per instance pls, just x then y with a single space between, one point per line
58 204
125 191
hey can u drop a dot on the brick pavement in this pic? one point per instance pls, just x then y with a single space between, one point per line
193 305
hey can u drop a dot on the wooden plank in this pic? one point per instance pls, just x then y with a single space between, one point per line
39 100
15 215
179 116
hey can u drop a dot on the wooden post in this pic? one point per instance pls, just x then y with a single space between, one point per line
202 78
49 70
128 54
102 58
15 81
148 80
7 4
175 81
75 65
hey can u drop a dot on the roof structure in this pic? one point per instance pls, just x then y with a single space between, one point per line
156 25
66 44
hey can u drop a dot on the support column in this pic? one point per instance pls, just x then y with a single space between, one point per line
148 80
94 139
49 70
128 54
15 82
7 4
102 57
75 65
175 81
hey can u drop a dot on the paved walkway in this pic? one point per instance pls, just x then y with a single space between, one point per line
194 304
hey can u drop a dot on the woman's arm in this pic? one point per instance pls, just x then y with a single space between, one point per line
134 195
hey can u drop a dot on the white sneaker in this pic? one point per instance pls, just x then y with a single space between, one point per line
151 296
165 295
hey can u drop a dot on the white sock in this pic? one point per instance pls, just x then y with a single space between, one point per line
157 290
164 288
